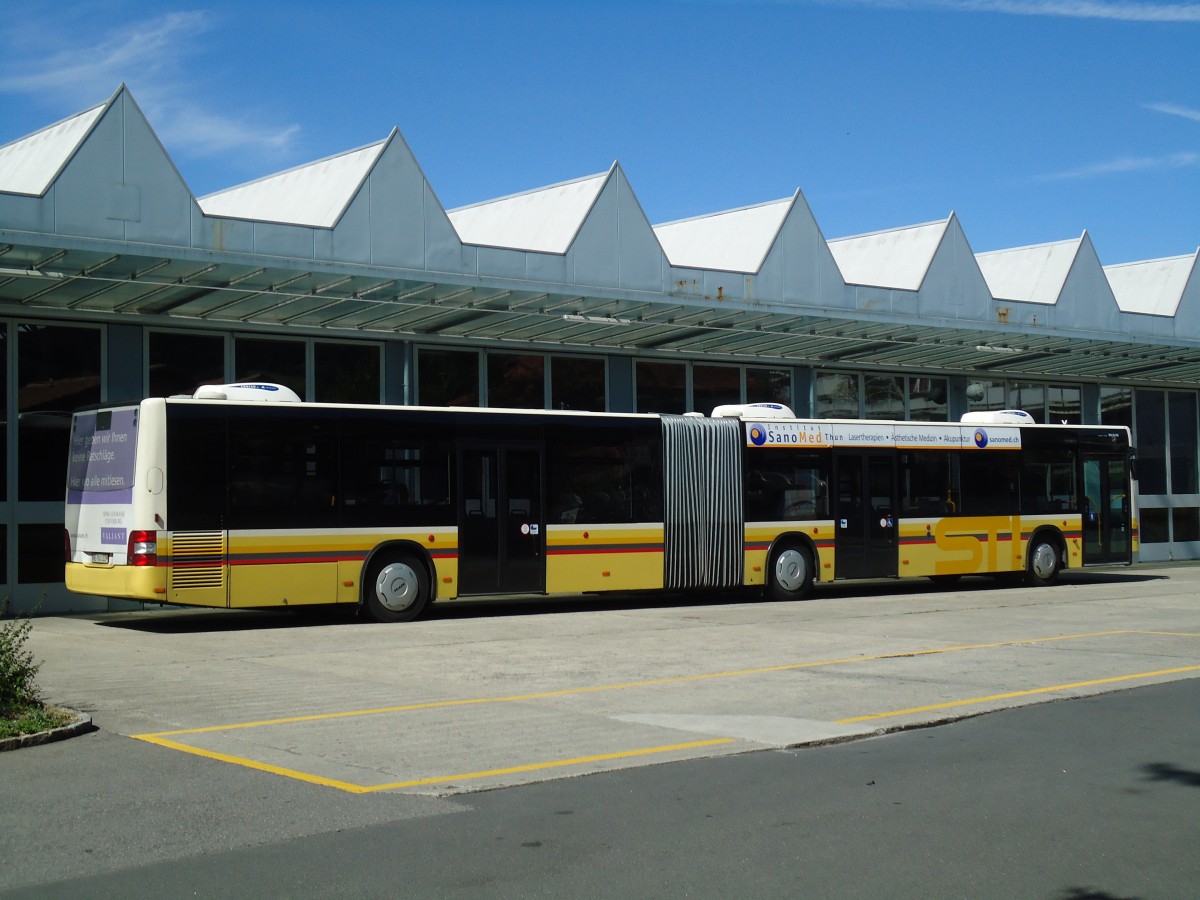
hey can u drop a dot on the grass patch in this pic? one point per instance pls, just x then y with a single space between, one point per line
30 720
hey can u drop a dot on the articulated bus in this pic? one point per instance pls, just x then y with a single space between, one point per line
226 500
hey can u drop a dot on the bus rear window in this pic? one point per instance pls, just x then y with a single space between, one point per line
103 450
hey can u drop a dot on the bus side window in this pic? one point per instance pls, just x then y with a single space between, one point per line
989 483
393 481
603 473
783 484
283 474
928 484
197 468
1048 482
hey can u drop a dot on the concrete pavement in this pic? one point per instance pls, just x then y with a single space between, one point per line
482 695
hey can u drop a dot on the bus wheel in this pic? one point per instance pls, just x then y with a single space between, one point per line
791 573
396 588
1044 561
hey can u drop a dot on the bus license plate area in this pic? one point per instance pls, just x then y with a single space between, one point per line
101 559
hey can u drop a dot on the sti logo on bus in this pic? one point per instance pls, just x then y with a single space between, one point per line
785 435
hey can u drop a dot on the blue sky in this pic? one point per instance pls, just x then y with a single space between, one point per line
1033 120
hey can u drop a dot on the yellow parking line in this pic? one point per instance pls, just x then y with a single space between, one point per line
1012 694
553 764
162 738
418 782
251 763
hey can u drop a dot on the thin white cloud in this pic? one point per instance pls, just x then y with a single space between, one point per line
209 134
146 48
1125 165
1119 10
1174 109
74 71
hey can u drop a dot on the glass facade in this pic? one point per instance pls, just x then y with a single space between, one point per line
1064 405
1116 406
986 395
884 396
346 373
1046 403
179 362
447 377
40 553
58 370
6 417
661 387
714 386
1029 397
836 396
1182 417
928 399
281 362
516 381
1152 442
577 383
1168 448
769 386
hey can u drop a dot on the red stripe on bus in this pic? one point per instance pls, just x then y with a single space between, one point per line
579 551
244 560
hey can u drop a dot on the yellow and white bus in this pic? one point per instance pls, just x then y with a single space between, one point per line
229 500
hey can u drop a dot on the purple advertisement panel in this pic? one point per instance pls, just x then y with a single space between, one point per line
103 454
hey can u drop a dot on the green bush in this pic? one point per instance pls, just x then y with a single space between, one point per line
18 669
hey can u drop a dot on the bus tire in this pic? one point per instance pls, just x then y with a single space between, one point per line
791 573
396 587
1045 560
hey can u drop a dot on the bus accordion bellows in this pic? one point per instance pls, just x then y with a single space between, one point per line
226 499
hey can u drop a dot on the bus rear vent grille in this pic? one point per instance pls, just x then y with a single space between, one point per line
197 559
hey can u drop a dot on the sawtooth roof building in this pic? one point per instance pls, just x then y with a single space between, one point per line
349 281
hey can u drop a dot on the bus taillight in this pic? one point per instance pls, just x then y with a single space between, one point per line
143 548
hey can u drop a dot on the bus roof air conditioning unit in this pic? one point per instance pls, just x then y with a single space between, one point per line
247 390
753 411
998 417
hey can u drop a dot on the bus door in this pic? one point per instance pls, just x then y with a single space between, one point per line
865 514
501 523
1106 508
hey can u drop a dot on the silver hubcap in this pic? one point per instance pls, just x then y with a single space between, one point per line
396 586
1045 561
791 570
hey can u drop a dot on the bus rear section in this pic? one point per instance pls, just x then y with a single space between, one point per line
113 483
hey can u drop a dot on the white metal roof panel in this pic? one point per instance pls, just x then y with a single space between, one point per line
545 220
1034 274
315 194
1153 286
734 241
898 258
29 165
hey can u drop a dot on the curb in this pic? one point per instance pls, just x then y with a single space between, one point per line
81 725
